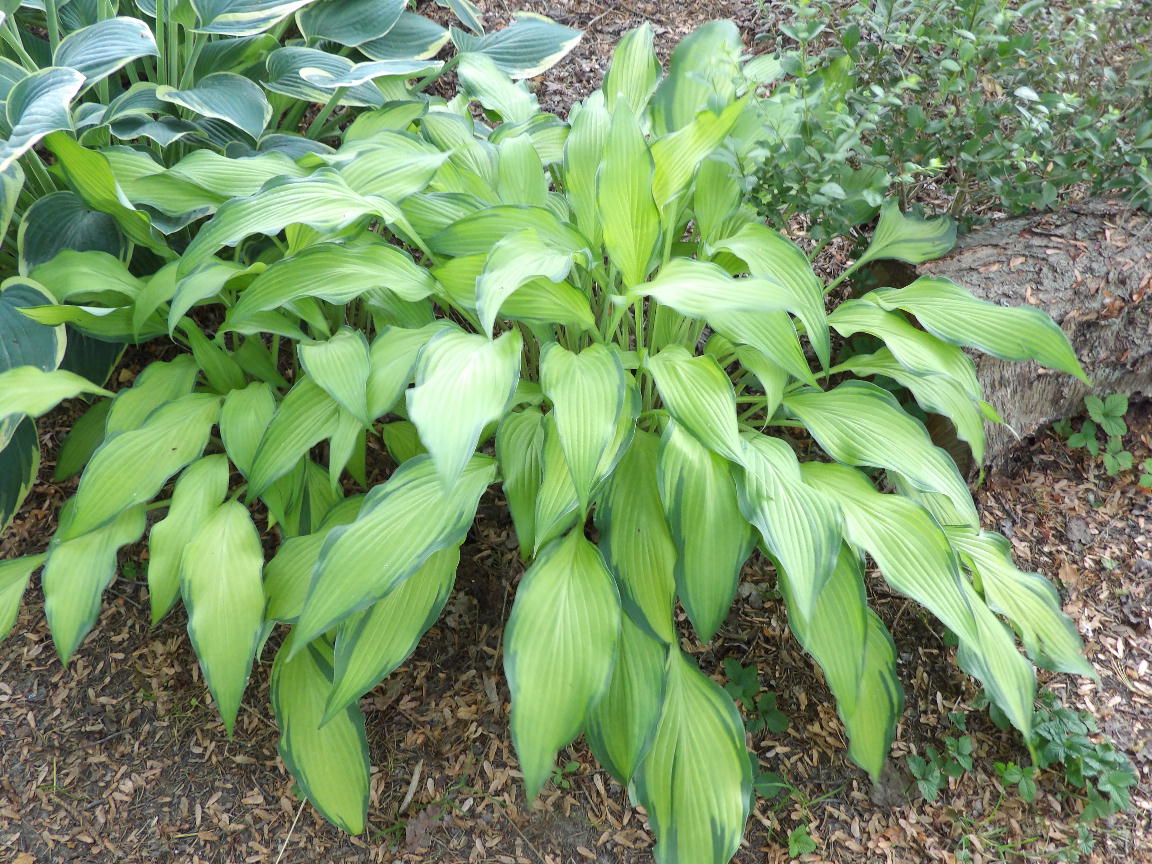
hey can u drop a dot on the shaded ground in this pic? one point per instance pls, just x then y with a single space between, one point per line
121 758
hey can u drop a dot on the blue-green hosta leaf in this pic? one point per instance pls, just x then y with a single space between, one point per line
1028 600
700 397
14 576
372 643
340 366
284 65
29 390
63 220
634 71
349 23
938 393
220 580
519 452
855 650
559 649
129 468
11 183
712 538
323 201
702 73
915 558
198 495
907 238
225 96
530 45
393 356
628 213
23 342
36 106
77 571
242 17
467 12
365 73
401 524
916 350
953 314
583 153
100 49
19 464
412 37
620 727
289 574
801 527
637 544
860 424
483 80
772 256
695 780
588 392
463 382
306 417
329 760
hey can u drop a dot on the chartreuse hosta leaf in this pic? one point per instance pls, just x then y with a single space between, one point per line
953 314
583 151
635 539
243 422
589 393
197 496
157 384
329 760
861 424
712 538
519 451
801 526
401 524
634 71
340 366
220 580
700 397
372 643
77 571
514 260
1028 600
700 289
620 726
14 576
559 649
392 358
677 156
512 101
855 650
907 238
629 217
703 71
83 439
463 383
305 417
29 390
129 468
695 780
915 557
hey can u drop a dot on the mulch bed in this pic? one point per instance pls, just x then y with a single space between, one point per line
120 757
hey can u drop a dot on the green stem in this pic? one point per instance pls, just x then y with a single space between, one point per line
36 169
174 53
199 40
317 123
451 63
52 16
848 271
12 36
161 75
293 116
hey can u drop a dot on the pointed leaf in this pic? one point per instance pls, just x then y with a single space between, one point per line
340 367
513 261
29 390
700 398
306 417
19 465
907 238
36 106
243 421
628 213
634 71
14 576
519 451
530 45
225 96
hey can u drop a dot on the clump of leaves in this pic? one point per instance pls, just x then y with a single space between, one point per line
931 769
587 313
1106 415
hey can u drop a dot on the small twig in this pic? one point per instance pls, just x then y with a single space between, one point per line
284 845
408 796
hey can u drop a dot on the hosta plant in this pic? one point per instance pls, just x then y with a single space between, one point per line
584 316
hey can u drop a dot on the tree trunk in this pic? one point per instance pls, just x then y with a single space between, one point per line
1089 266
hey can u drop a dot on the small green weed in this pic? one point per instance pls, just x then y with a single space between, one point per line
931 769
744 686
800 842
1107 416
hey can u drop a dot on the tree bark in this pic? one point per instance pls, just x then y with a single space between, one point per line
1089 266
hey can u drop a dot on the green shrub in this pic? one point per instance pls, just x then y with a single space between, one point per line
1004 105
586 313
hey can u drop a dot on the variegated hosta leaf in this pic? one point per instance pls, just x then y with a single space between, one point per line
530 45
712 539
243 422
635 540
519 451
340 366
801 527
242 17
589 393
197 496
401 524
372 643
100 49
30 391
854 649
953 314
329 760
37 106
860 424
700 397
696 780
628 214
513 261
19 465
907 238
14 576
463 383
1028 600
559 649
305 417
77 571
914 555
634 71
349 23
131 467
220 580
